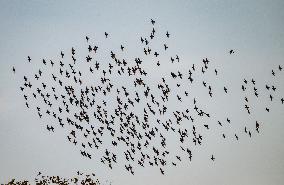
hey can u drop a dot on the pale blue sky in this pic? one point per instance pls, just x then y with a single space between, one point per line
199 29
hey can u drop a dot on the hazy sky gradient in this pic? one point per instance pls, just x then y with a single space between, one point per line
199 29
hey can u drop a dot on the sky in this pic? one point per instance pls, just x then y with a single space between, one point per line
254 29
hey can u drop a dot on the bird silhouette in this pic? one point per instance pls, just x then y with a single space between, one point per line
231 51
167 34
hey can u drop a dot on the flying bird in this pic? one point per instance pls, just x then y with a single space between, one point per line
231 51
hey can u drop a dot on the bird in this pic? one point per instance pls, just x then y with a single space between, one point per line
216 72
226 90
62 54
91 70
273 88
14 70
257 127
167 34
237 138
228 120
166 47
162 171
88 58
273 73
90 48
231 51
73 50
271 97
156 54
177 57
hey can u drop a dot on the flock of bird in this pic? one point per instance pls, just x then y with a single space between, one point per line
41 179
113 108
